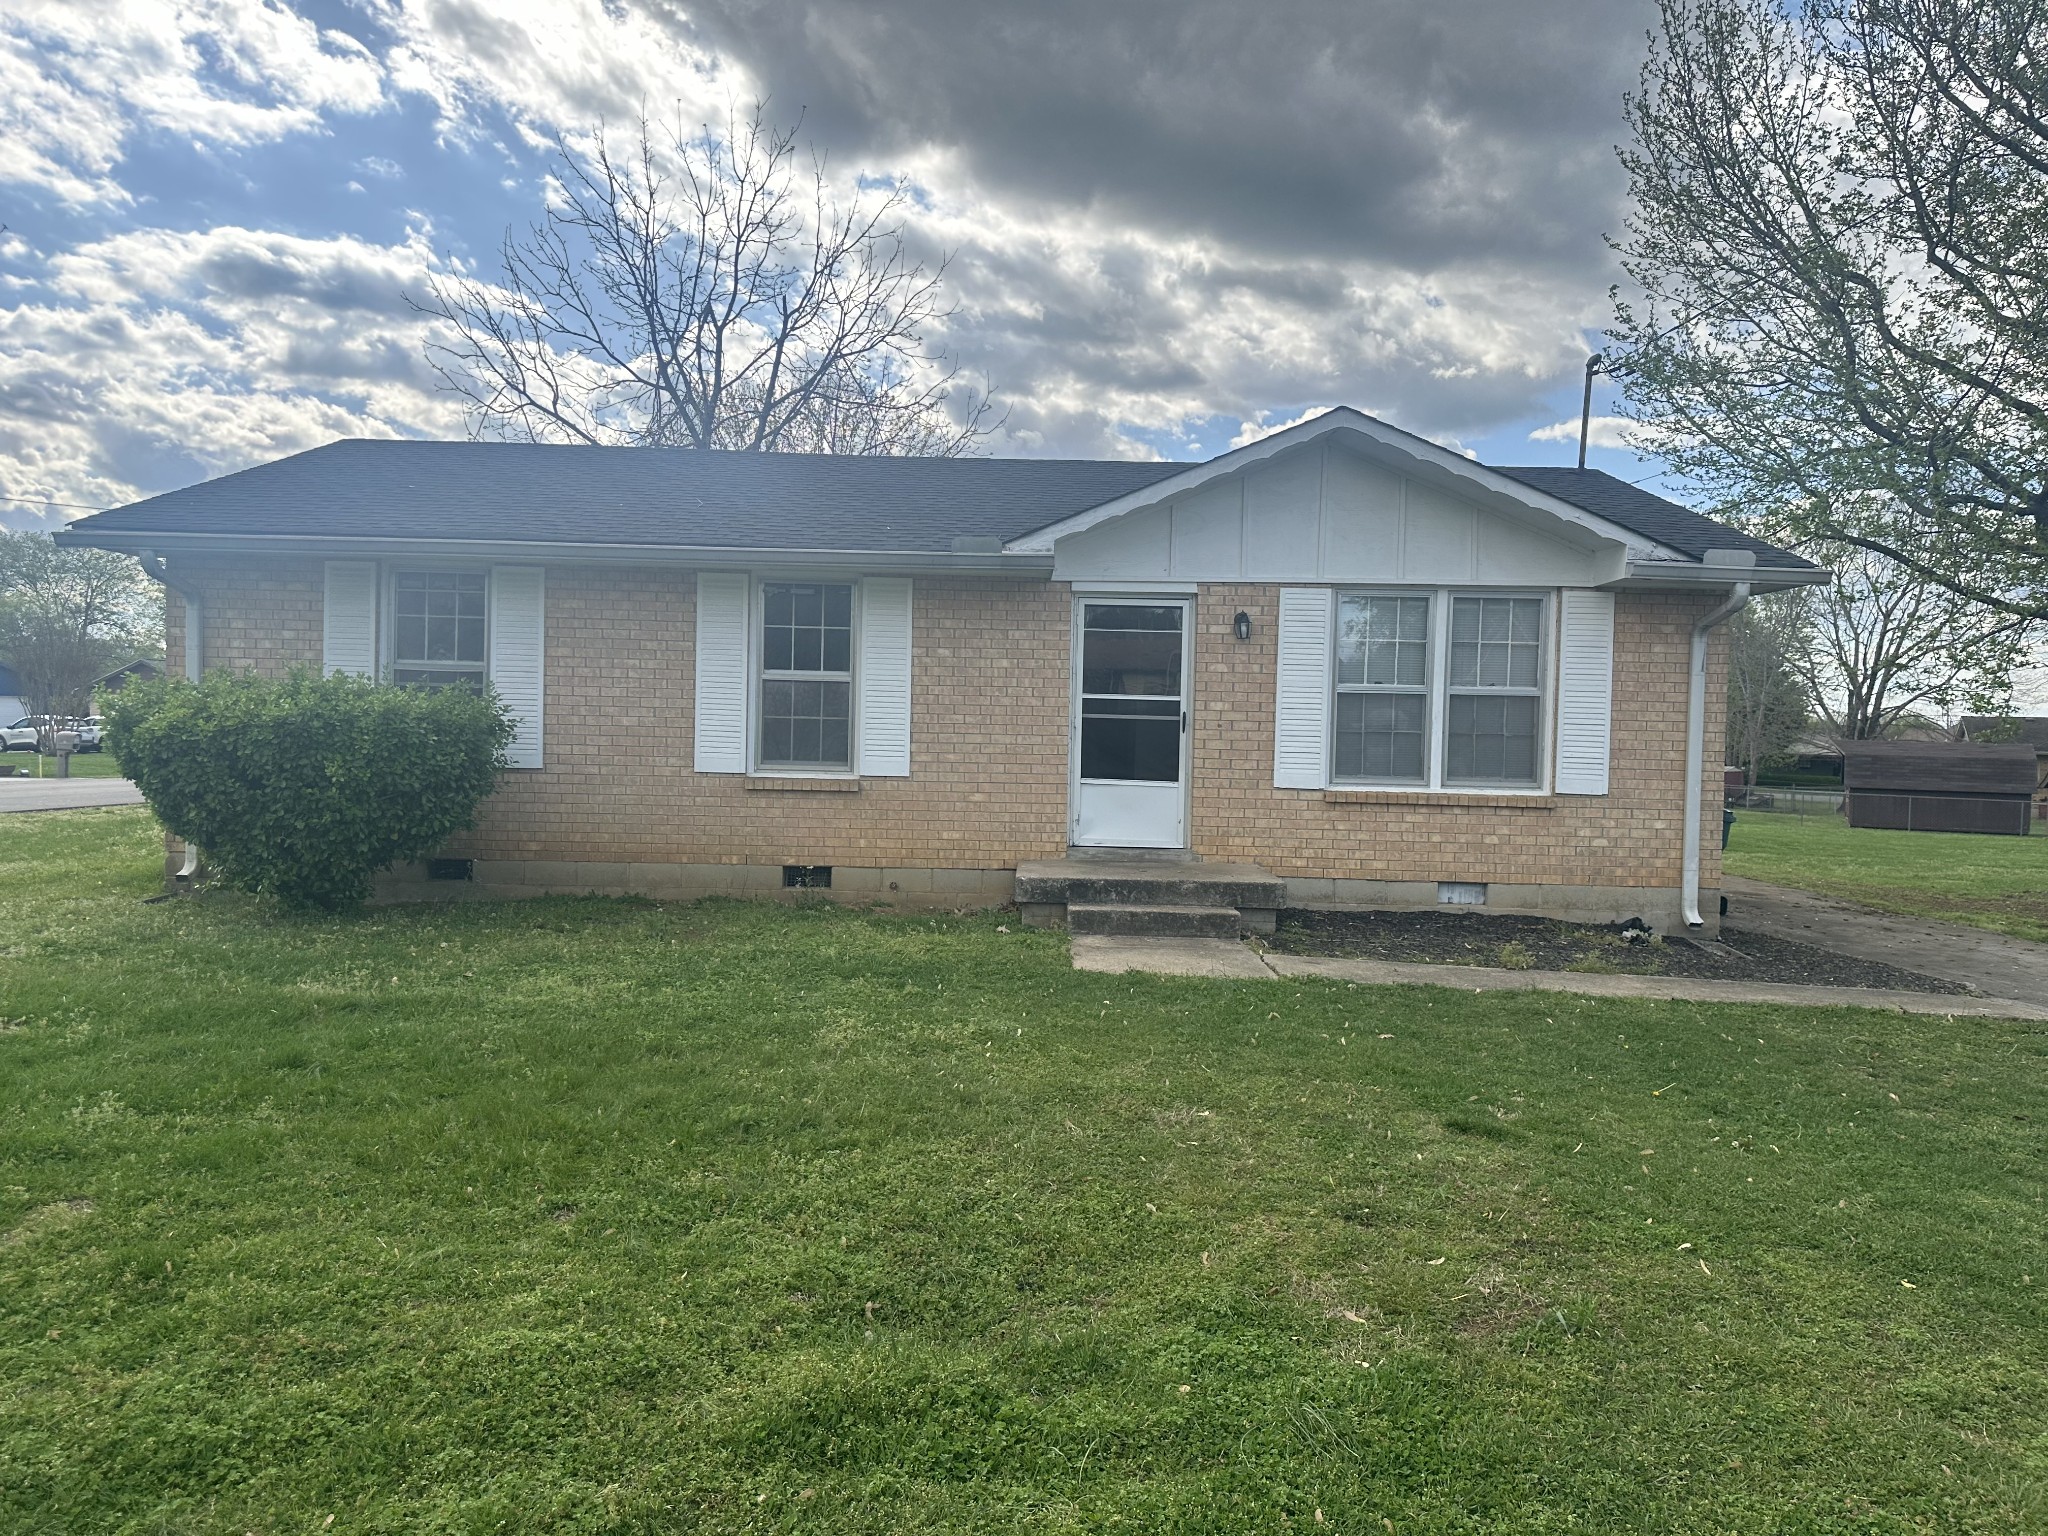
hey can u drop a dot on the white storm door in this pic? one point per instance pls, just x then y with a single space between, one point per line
1131 724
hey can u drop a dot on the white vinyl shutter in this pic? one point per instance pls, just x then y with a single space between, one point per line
882 676
1585 691
348 618
1301 706
721 732
518 651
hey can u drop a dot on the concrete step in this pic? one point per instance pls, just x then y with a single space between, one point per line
1109 883
1158 921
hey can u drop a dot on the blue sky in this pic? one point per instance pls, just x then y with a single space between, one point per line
1168 228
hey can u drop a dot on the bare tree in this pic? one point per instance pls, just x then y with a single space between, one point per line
67 617
1840 241
1884 645
1767 694
696 291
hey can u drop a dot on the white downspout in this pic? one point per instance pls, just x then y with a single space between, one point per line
195 612
195 656
1696 746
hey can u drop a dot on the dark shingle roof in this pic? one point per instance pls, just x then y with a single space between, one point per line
2032 730
385 488
526 492
1952 766
1652 516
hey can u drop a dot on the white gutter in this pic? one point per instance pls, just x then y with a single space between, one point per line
1696 747
980 555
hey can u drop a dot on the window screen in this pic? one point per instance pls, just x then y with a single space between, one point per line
806 675
1382 715
438 628
1493 714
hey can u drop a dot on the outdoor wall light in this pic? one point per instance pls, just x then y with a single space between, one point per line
1242 624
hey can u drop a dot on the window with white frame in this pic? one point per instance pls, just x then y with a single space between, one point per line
1405 715
1381 724
1493 709
439 629
806 682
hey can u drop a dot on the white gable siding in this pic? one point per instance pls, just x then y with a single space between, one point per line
1322 513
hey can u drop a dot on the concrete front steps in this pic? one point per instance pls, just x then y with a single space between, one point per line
1156 896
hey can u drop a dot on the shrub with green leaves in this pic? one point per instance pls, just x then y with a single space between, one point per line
306 788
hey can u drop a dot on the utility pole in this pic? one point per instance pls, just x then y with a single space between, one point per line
1594 365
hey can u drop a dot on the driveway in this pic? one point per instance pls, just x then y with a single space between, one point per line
1975 957
65 794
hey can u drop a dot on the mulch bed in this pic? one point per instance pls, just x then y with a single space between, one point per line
1541 944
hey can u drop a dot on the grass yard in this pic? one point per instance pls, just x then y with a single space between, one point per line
84 765
1999 883
614 1216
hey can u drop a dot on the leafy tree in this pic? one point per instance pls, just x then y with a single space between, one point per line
306 788
69 616
698 292
1767 694
1840 239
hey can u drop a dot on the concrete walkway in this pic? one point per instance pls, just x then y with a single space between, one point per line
1235 960
65 794
1972 957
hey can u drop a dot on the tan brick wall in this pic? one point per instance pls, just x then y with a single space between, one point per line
988 782
1628 837
989 744
262 614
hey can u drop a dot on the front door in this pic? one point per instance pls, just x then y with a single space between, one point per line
1131 724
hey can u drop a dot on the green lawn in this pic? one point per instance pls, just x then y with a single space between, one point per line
84 765
614 1216
1993 882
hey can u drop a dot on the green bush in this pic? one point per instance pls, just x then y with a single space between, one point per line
304 789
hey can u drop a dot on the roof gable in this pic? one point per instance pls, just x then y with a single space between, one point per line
1425 462
1321 511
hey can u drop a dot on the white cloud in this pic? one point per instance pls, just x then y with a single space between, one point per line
78 77
552 65
1604 432
207 351
145 357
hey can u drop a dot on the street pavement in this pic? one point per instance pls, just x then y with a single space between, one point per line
18 794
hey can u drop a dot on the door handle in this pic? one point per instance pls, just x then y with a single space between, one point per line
1183 722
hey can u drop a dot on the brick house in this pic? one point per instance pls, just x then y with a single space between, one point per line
1377 671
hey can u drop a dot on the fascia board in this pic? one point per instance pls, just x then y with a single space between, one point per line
697 557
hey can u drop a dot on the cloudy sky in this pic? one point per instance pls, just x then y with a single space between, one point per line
1172 224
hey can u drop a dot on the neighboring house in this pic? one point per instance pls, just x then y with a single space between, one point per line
12 705
1940 786
142 668
2030 730
1382 672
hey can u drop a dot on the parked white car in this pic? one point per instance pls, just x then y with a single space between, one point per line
21 736
91 732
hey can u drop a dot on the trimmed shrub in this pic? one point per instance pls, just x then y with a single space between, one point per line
305 789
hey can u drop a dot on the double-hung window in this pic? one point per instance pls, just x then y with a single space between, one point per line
439 629
1382 714
1494 704
806 717
1406 714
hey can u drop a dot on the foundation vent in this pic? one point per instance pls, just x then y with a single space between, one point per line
807 877
1460 893
451 869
